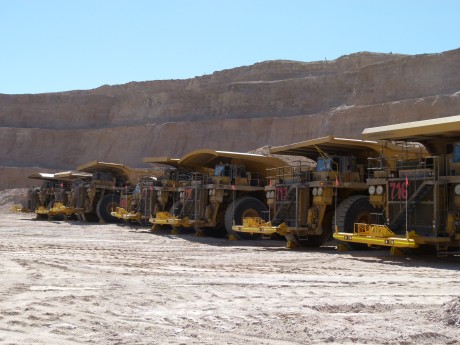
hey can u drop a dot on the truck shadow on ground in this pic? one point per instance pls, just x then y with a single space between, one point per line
410 260
381 255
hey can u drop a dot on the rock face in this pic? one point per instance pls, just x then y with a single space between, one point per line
269 103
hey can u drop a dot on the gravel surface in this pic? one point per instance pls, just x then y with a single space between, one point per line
73 283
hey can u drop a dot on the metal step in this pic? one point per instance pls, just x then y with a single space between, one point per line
412 202
282 211
442 249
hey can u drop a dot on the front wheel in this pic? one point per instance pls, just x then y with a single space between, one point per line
354 209
105 206
240 208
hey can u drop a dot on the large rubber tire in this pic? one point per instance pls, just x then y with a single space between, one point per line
246 206
105 206
313 241
354 209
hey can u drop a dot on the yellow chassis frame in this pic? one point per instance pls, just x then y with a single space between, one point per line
256 225
59 209
166 218
121 213
380 235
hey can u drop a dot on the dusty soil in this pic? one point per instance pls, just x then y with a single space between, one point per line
72 283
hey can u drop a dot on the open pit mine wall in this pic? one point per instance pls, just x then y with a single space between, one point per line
269 103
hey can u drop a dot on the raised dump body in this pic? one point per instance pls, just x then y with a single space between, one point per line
417 201
305 202
96 198
224 188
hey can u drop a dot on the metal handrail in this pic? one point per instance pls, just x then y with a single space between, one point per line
289 174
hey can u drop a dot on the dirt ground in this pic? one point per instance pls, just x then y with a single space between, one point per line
72 283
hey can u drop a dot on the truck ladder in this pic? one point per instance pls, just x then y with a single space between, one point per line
192 203
412 202
284 205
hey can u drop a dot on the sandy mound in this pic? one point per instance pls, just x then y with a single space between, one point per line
450 312
8 197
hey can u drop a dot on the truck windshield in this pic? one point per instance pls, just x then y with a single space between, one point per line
324 164
220 170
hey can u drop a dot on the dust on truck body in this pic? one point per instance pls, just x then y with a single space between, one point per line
418 202
224 187
305 200
96 198
155 192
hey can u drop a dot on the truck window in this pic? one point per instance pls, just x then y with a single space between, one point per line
456 154
219 170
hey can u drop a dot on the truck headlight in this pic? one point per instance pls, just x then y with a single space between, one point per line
457 189
371 190
379 190
320 191
314 191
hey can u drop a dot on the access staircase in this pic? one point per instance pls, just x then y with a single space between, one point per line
284 205
193 196
409 206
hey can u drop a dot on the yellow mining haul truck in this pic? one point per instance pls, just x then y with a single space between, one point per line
224 188
304 201
63 205
41 199
53 193
418 201
96 198
154 193
166 189
137 203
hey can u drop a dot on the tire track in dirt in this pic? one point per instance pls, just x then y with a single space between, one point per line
74 283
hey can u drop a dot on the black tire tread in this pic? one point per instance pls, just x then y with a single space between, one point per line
103 203
235 205
341 214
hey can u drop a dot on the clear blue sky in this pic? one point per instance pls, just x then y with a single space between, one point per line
59 45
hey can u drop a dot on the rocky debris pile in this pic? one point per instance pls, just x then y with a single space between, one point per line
8 197
450 313
291 160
